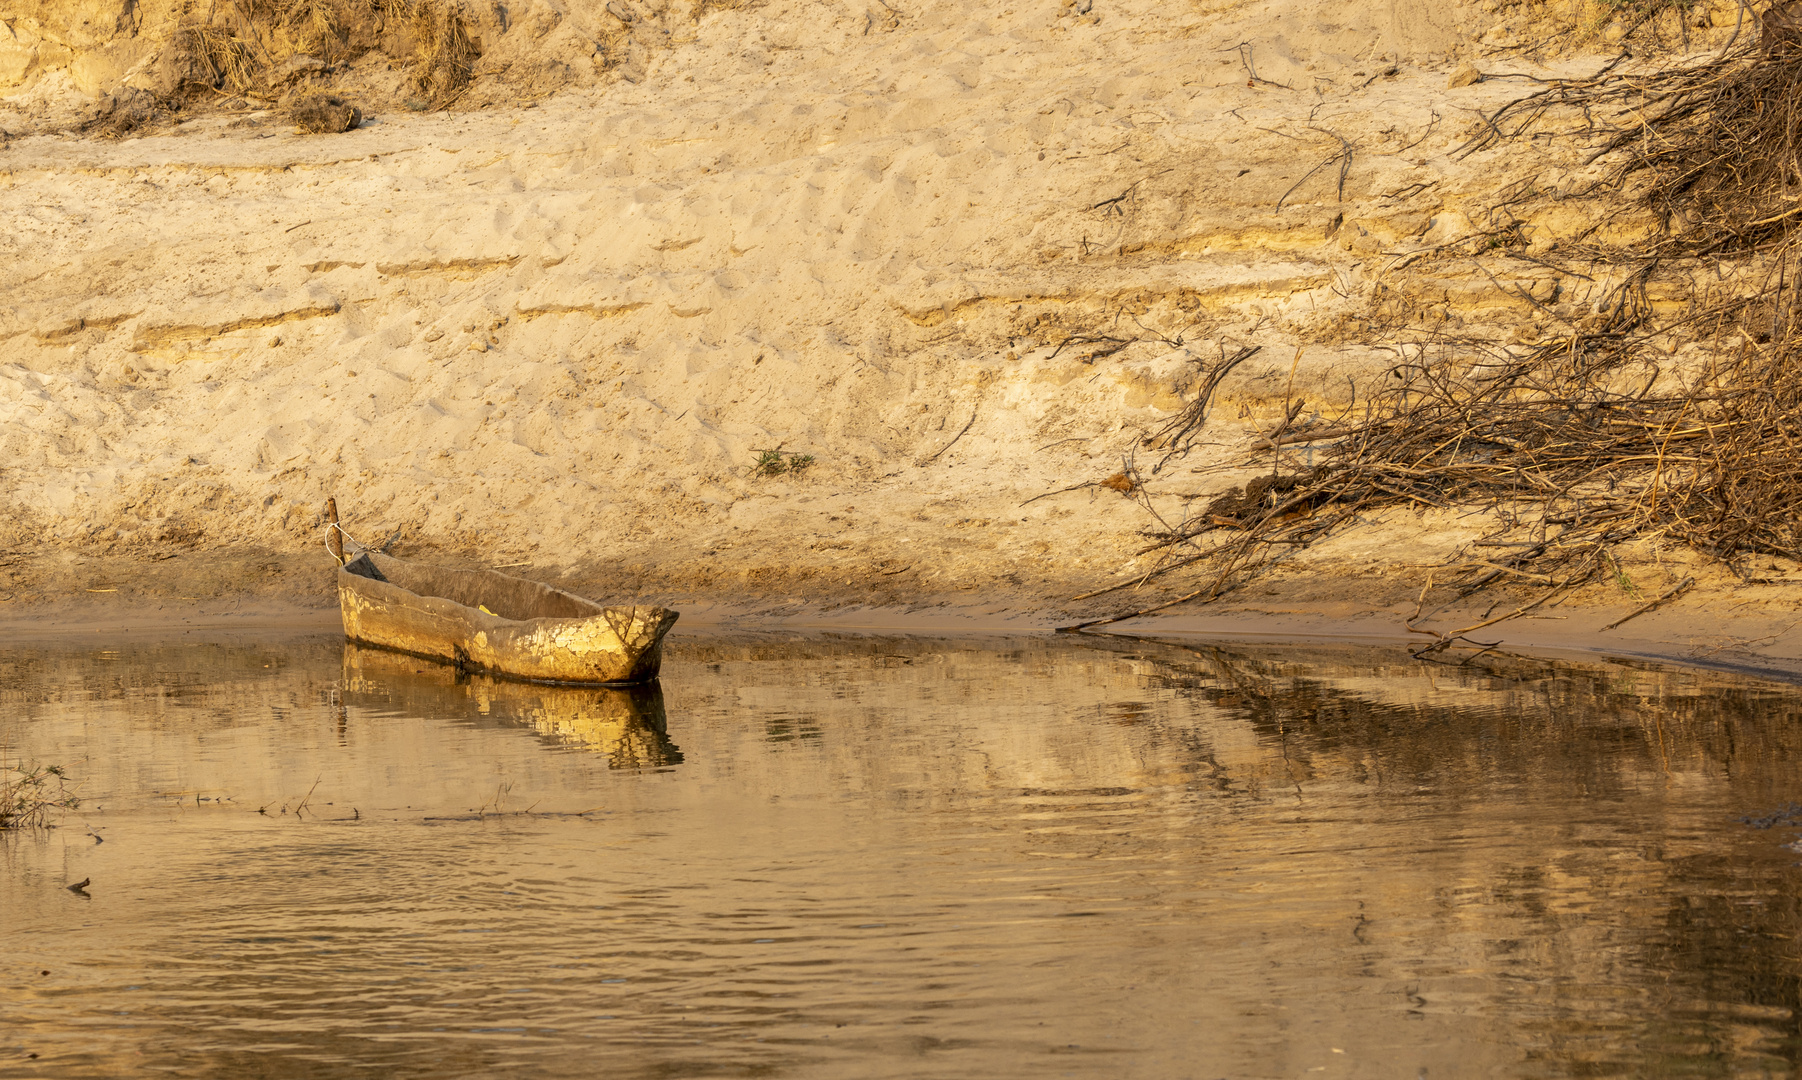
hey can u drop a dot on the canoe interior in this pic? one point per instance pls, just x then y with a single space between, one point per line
502 594
484 620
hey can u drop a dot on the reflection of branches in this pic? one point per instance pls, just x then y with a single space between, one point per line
1289 693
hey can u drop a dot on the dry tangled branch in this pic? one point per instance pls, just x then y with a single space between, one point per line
1598 437
1177 436
1716 144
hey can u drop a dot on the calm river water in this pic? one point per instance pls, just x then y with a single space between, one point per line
843 856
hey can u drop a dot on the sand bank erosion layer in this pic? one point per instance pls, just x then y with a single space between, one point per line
962 268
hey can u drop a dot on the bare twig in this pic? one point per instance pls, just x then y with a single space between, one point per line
953 442
1679 589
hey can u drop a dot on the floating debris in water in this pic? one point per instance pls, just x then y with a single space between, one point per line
1790 814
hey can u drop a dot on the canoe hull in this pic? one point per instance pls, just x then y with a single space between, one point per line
437 613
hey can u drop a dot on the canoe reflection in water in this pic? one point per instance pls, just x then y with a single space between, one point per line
626 723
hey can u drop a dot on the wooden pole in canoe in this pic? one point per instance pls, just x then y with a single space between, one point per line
334 536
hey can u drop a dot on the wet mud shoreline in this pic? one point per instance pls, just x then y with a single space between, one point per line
1751 628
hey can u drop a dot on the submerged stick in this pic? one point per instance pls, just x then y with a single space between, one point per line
308 797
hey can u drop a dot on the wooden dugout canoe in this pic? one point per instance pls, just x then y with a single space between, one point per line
529 631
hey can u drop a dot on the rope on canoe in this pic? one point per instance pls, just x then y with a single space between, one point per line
358 544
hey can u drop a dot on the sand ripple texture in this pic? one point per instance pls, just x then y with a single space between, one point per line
904 246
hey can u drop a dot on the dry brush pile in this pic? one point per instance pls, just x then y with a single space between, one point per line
262 51
1608 432
248 48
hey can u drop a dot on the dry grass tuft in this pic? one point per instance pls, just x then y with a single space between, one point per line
447 54
314 24
241 48
29 792
218 59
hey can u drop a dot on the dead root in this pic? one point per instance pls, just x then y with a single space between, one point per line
1714 147
1598 437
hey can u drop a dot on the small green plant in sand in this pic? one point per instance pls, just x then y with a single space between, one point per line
29 792
777 462
1623 582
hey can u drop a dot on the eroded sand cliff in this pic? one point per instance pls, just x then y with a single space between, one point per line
959 258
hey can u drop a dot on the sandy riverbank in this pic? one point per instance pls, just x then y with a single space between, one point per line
950 264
